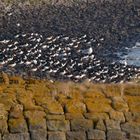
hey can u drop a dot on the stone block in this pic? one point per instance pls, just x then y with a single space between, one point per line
53 107
27 101
37 124
98 107
111 124
3 112
56 136
17 125
56 125
134 107
116 135
128 116
71 116
132 90
96 135
75 107
18 136
16 111
96 116
36 119
116 115
136 117
132 99
3 119
133 102
5 78
119 104
38 134
76 135
131 127
55 117
3 126
94 93
134 137
132 116
34 114
111 90
81 124
100 125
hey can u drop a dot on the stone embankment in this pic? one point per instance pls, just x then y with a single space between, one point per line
44 110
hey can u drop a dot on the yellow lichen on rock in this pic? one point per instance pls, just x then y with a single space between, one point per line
111 90
40 107
75 106
17 125
5 78
132 89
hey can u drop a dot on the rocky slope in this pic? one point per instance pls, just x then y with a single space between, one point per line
41 110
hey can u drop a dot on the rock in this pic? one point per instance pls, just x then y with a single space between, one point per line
26 99
96 116
16 80
3 119
70 116
111 124
35 124
119 104
34 114
17 125
135 116
128 116
18 136
134 107
53 107
16 111
56 136
38 134
116 115
76 135
81 124
56 125
100 125
75 106
134 137
7 98
112 90
55 117
98 100
115 135
3 126
36 119
132 90
133 102
96 135
5 78
131 127
98 107
132 99
3 112
95 93
0 136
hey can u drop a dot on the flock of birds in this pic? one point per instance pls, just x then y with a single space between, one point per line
61 57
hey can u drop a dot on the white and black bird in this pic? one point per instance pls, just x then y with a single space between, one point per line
61 57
